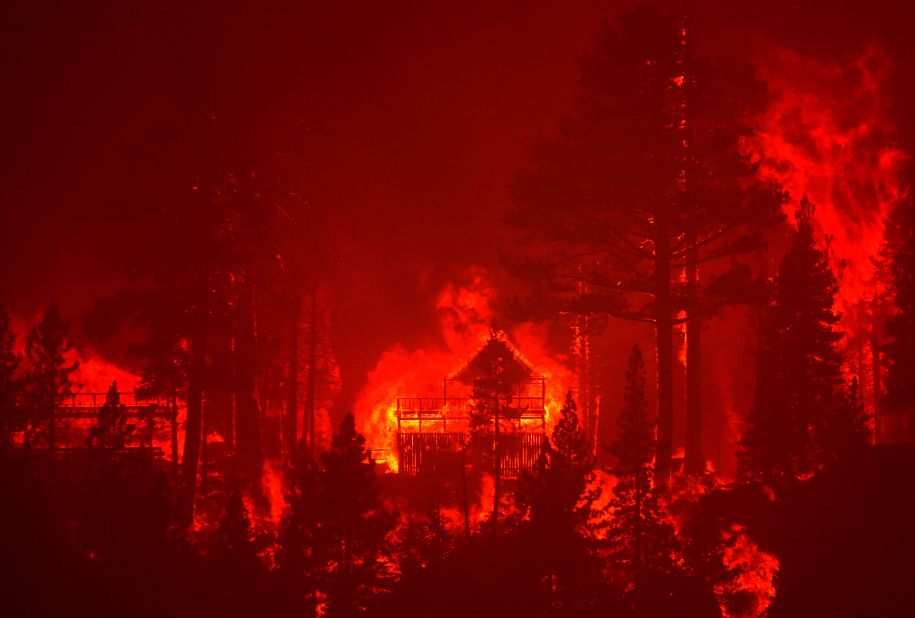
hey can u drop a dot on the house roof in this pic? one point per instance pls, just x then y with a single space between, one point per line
497 356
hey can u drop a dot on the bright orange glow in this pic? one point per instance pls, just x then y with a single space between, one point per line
465 321
827 133
272 487
757 572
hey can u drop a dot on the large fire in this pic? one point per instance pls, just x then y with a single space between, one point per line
827 133
465 319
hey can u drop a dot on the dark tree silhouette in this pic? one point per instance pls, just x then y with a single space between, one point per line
558 498
353 523
216 275
235 537
556 494
900 349
297 556
804 415
646 178
111 430
495 372
49 376
642 542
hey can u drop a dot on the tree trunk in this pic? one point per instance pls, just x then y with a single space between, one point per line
247 432
586 406
876 385
695 458
204 455
290 422
219 411
308 437
664 343
464 497
637 532
193 424
497 471
52 433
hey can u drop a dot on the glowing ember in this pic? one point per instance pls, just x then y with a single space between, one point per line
757 573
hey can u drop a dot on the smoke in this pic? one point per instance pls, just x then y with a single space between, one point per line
94 374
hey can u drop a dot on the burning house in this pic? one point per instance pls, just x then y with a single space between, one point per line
495 405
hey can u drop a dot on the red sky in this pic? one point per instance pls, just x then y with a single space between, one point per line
406 120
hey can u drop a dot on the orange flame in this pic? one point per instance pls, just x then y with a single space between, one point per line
465 320
757 572
272 487
827 133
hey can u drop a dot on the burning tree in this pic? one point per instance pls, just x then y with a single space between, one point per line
647 182
804 415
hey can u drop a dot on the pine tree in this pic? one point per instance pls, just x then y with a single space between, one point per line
642 544
900 349
495 372
10 382
646 177
297 558
49 378
558 499
353 523
803 415
555 494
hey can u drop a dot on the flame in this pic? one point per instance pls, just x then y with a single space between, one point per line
827 133
272 487
465 316
757 572
95 374
487 498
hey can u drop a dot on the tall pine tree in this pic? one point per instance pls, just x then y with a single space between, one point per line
803 415
642 544
352 524
558 499
297 557
645 183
